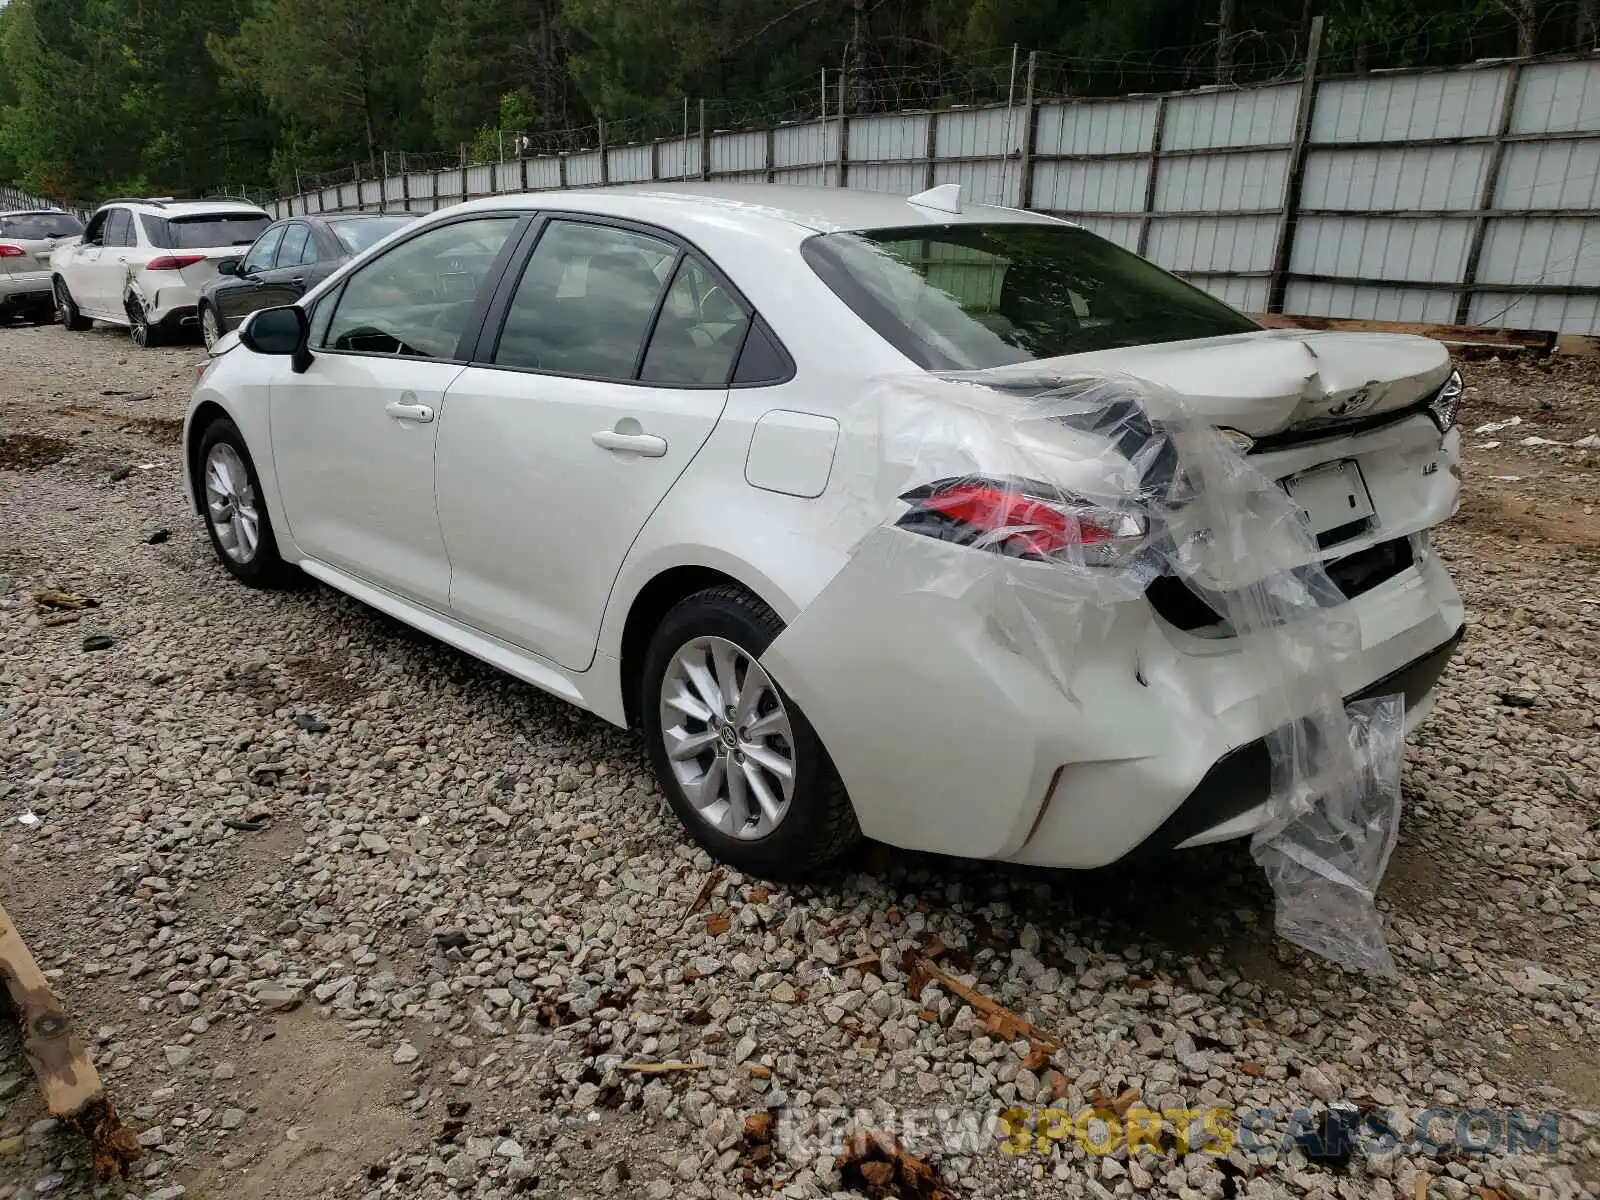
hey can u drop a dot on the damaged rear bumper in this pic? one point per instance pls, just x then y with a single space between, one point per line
1231 800
979 752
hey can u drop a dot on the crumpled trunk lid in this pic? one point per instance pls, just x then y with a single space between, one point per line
1274 380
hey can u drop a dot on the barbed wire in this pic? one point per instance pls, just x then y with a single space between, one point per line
999 76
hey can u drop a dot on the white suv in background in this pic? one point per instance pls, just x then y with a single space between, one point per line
141 263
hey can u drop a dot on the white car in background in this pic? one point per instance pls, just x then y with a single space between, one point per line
610 442
141 263
27 240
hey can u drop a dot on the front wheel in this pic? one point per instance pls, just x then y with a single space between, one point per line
236 514
740 764
210 325
71 317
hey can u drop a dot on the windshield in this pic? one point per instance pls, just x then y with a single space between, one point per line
358 233
39 226
967 297
204 231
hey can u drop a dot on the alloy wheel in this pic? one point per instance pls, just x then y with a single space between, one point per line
728 738
139 323
231 503
208 326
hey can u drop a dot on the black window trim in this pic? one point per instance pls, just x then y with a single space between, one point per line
493 282
494 324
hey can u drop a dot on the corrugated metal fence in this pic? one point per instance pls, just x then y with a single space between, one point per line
1468 195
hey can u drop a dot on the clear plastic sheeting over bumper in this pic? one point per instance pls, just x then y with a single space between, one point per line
987 669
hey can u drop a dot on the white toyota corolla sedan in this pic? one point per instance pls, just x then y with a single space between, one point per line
629 446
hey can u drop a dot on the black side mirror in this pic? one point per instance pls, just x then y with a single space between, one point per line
228 266
284 330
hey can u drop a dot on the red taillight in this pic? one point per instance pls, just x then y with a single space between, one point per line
12 251
993 515
174 262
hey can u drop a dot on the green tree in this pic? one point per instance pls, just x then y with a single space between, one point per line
340 74
483 50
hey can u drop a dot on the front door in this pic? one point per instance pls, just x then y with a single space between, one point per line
353 436
240 295
551 459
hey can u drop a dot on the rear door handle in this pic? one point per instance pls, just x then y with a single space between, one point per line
646 445
419 413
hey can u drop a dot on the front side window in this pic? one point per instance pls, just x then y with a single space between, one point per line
294 245
261 254
585 302
417 298
37 227
971 296
699 332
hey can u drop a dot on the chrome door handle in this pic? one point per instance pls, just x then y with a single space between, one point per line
420 413
646 445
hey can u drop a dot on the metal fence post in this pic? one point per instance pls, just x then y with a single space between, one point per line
930 174
1157 133
383 185
1030 134
605 167
1294 175
1491 184
844 133
705 143
772 154
655 159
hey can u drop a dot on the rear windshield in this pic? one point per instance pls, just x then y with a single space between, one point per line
357 233
967 297
203 231
38 226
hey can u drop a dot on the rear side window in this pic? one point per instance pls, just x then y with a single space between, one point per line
356 234
27 227
970 296
294 245
585 302
699 332
417 298
204 231
119 228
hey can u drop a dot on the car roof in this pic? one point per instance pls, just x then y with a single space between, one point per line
189 208
818 209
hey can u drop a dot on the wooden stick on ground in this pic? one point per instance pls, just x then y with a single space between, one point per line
60 1060
998 1018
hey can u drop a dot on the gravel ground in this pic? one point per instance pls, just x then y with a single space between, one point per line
344 912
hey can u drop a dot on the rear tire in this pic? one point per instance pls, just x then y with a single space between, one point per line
236 514
815 822
144 333
71 317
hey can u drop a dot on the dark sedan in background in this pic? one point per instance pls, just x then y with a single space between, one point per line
288 259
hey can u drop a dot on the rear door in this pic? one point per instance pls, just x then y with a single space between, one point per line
592 391
285 281
353 436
